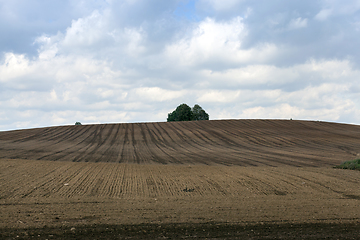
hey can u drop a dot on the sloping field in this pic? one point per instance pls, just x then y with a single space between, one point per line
231 142
244 179
66 194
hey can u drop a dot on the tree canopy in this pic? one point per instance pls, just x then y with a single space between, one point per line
184 113
199 113
181 113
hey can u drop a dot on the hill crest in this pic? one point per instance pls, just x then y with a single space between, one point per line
248 142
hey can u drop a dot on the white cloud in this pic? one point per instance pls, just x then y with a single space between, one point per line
157 94
215 44
318 93
336 8
323 14
298 23
219 96
209 40
279 112
89 86
13 66
104 68
86 31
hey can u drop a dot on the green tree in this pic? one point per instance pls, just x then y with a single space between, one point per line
78 123
199 114
181 113
184 113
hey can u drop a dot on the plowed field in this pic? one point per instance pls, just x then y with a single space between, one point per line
247 179
236 142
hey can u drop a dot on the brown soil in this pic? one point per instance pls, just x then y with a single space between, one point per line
247 179
231 142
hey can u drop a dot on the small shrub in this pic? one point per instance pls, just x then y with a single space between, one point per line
352 165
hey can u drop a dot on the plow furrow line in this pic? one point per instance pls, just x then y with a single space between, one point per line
134 144
165 149
153 156
187 146
66 151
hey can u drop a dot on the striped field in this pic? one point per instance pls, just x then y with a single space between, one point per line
235 172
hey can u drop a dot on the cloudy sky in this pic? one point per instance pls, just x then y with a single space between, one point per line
106 61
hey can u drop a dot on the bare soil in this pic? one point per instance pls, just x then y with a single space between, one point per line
190 231
235 179
230 142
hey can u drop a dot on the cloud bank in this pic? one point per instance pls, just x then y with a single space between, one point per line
135 61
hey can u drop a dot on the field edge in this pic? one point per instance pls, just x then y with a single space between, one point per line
213 230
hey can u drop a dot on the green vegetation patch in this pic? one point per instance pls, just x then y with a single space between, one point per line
353 165
185 113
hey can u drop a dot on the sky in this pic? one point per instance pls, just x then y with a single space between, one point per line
108 61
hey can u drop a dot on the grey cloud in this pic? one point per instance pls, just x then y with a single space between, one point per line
268 21
21 21
121 61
